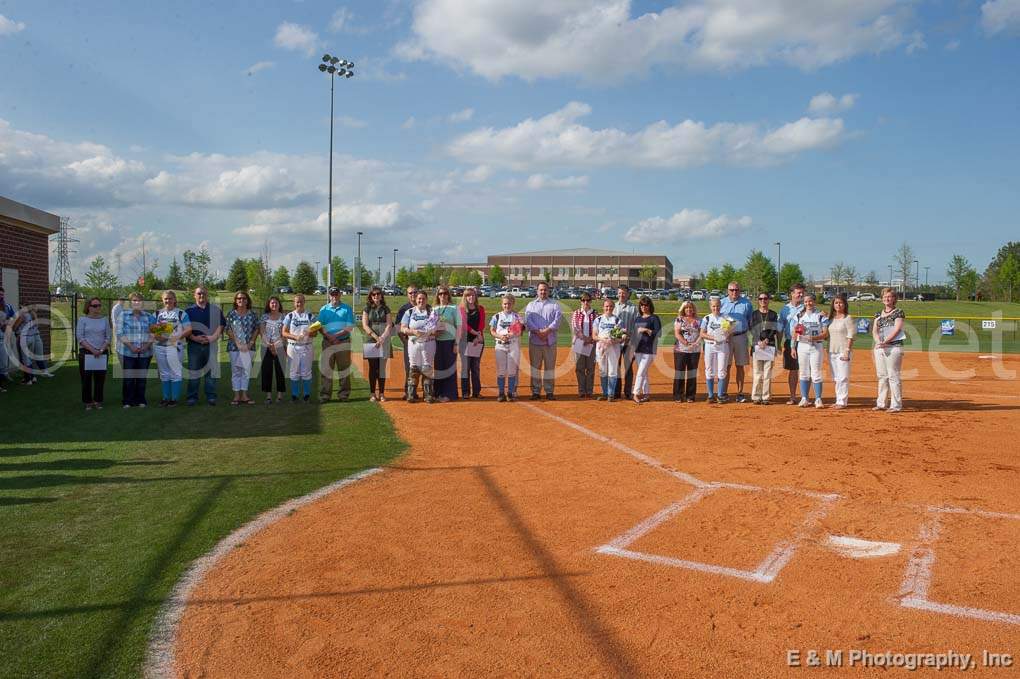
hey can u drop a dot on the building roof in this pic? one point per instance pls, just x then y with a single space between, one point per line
578 252
27 216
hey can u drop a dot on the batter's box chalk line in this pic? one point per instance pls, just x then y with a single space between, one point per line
918 573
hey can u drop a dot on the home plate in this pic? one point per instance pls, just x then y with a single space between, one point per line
855 548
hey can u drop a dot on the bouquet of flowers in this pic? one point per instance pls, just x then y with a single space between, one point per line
618 334
726 324
799 329
516 328
162 330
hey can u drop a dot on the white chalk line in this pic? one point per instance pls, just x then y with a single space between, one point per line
918 575
856 548
159 661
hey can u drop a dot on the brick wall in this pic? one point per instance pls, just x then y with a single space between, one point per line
29 253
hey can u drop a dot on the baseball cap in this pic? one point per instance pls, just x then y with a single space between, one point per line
333 290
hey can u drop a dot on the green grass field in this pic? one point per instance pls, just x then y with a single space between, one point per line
102 511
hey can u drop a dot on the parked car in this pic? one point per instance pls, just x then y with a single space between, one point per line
698 295
319 290
285 290
862 297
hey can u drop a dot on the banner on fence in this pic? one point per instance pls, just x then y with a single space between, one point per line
863 326
948 326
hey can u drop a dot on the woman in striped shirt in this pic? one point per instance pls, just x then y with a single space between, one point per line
581 323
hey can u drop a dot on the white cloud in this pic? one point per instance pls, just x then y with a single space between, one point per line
296 37
600 39
478 174
346 217
9 26
558 140
1001 16
259 66
461 116
916 42
409 123
537 182
685 225
953 45
341 20
827 103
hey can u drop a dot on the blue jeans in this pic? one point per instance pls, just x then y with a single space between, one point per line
203 359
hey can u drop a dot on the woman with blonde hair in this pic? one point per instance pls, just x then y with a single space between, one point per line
420 325
444 383
506 328
809 332
686 352
889 335
609 337
169 348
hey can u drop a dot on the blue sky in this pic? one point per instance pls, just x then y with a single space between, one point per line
698 129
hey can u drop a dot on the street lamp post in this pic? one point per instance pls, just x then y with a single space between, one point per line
926 276
779 265
317 272
357 274
890 276
334 66
393 281
917 275
378 270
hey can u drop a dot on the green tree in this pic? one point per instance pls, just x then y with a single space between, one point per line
995 281
281 278
99 280
196 268
712 279
496 275
429 275
759 273
1008 276
970 283
260 279
237 279
304 280
174 276
790 273
871 279
472 277
366 276
341 273
957 273
547 276
649 272
404 277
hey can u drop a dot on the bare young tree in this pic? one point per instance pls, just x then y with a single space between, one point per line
903 262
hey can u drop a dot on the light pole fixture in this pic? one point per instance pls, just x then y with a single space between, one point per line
926 276
335 67
357 273
393 281
378 270
917 275
890 276
779 265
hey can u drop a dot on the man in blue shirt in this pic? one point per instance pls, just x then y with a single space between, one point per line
207 324
787 320
739 309
337 321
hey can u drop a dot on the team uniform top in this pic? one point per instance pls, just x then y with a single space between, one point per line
605 324
420 320
713 325
296 323
178 318
814 323
502 322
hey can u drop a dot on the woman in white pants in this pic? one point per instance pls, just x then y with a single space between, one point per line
420 325
169 348
888 333
841 340
607 349
300 350
715 331
242 330
810 331
505 328
647 328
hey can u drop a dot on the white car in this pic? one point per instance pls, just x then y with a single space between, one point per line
862 297
698 295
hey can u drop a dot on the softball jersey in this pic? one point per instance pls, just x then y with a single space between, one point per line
300 352
420 352
296 323
607 354
810 354
508 353
717 352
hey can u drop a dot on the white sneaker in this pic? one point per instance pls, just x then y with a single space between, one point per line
803 403
818 403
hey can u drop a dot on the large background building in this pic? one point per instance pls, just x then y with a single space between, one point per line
576 267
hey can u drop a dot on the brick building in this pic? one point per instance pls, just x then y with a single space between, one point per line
583 267
25 254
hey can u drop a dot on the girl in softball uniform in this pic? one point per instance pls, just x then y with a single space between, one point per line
421 325
505 327
169 348
300 351
607 350
810 331
715 331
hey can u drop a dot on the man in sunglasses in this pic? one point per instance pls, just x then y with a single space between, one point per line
739 309
207 325
764 332
337 321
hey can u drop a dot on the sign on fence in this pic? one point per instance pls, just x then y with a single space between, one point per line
988 325
863 326
948 326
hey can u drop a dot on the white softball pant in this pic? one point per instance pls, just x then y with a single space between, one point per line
644 364
888 362
240 370
841 378
608 358
299 361
809 358
169 362
421 354
508 359
717 358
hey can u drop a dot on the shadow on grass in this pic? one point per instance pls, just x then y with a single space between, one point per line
11 501
83 463
26 452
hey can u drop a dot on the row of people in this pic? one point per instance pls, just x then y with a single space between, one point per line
20 338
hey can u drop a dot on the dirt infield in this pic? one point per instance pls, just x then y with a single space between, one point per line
575 538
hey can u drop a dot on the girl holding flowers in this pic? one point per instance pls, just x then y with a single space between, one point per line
171 327
808 334
505 328
242 330
609 337
420 325
298 331
715 331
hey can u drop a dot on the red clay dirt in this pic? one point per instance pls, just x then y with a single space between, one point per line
475 554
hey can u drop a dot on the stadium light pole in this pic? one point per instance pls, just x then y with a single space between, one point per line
393 281
334 66
926 276
357 273
779 265
890 276
378 270
917 275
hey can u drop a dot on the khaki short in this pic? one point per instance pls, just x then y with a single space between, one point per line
738 349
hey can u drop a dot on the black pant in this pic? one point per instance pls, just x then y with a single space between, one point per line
271 366
626 366
376 379
471 381
136 370
685 374
445 368
92 382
